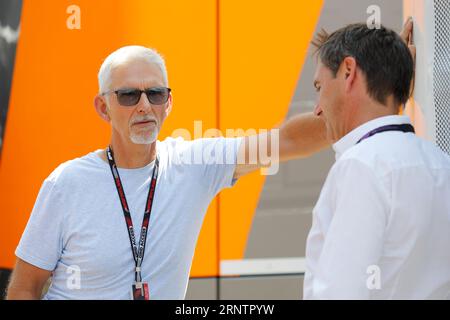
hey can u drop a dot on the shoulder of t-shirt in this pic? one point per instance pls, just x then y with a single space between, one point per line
67 169
171 143
179 144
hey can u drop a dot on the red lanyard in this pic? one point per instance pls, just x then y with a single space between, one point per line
138 252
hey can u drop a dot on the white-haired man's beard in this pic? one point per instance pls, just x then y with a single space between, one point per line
145 135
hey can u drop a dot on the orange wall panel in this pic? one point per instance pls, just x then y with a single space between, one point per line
263 46
51 116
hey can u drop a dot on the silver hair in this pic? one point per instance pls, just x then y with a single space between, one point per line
125 54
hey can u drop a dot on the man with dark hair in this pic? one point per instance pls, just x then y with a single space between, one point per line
381 226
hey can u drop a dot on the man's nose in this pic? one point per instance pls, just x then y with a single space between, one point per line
144 104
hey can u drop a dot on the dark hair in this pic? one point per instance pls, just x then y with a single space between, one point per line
381 54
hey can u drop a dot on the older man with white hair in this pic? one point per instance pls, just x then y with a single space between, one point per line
77 234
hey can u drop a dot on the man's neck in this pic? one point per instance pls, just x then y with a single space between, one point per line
129 155
370 112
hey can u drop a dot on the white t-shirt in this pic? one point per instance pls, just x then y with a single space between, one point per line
381 226
77 225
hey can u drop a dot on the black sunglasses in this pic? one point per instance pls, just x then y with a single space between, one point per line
131 97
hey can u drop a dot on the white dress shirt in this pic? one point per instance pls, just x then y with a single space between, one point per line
381 226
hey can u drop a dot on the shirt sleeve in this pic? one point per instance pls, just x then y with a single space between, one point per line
348 262
41 242
219 158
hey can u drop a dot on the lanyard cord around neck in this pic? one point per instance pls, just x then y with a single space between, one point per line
138 252
406 127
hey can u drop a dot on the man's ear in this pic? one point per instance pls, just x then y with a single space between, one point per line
169 105
348 69
101 107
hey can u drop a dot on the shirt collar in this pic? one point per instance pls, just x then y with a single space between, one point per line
351 138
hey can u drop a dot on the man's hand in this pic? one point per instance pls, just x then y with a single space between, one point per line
407 36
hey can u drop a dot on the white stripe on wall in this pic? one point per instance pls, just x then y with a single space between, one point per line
271 266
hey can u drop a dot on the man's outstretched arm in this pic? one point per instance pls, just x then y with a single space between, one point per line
298 137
